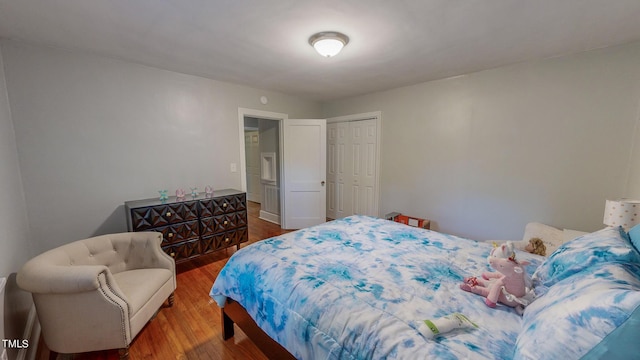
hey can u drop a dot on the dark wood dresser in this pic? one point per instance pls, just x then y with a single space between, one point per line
194 226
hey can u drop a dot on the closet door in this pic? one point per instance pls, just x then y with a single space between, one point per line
332 134
363 146
352 151
338 171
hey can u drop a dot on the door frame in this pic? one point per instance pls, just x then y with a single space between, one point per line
377 116
280 117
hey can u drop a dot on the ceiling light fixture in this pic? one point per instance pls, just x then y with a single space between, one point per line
328 43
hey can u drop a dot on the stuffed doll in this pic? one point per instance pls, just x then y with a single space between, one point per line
507 285
536 246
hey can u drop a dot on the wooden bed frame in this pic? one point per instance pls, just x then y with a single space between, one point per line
232 313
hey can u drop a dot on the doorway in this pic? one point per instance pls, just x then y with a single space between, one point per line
252 158
262 170
299 172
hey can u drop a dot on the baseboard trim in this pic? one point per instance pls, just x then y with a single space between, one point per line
270 217
31 333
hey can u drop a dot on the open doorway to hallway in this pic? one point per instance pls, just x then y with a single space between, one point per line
296 172
262 164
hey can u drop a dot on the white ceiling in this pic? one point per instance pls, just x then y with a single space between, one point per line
263 43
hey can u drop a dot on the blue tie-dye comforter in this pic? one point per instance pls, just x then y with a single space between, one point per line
358 288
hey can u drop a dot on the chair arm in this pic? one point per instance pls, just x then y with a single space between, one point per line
86 321
55 279
153 251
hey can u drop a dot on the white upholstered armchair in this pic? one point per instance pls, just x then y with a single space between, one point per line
98 293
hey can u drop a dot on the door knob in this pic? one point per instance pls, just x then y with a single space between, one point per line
322 182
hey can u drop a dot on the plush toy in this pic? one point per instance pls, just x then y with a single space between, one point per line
536 246
507 286
180 194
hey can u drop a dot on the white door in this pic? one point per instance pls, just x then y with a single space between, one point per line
332 136
305 170
339 180
352 171
252 154
363 143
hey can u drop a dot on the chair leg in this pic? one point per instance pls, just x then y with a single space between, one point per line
124 353
171 299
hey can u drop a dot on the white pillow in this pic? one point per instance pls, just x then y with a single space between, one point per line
568 234
550 236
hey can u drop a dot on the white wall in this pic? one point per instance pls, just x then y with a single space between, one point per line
94 132
481 154
485 153
633 181
14 240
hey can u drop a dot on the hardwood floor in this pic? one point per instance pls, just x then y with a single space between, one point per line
191 329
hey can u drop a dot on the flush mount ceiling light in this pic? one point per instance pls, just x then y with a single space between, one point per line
328 43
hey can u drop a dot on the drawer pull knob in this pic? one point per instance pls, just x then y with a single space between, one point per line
173 254
226 240
226 222
169 214
170 235
224 205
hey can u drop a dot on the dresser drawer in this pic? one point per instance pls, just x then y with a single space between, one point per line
179 232
242 235
220 223
160 215
184 250
241 219
224 205
224 240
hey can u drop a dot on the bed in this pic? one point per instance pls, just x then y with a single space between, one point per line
361 288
